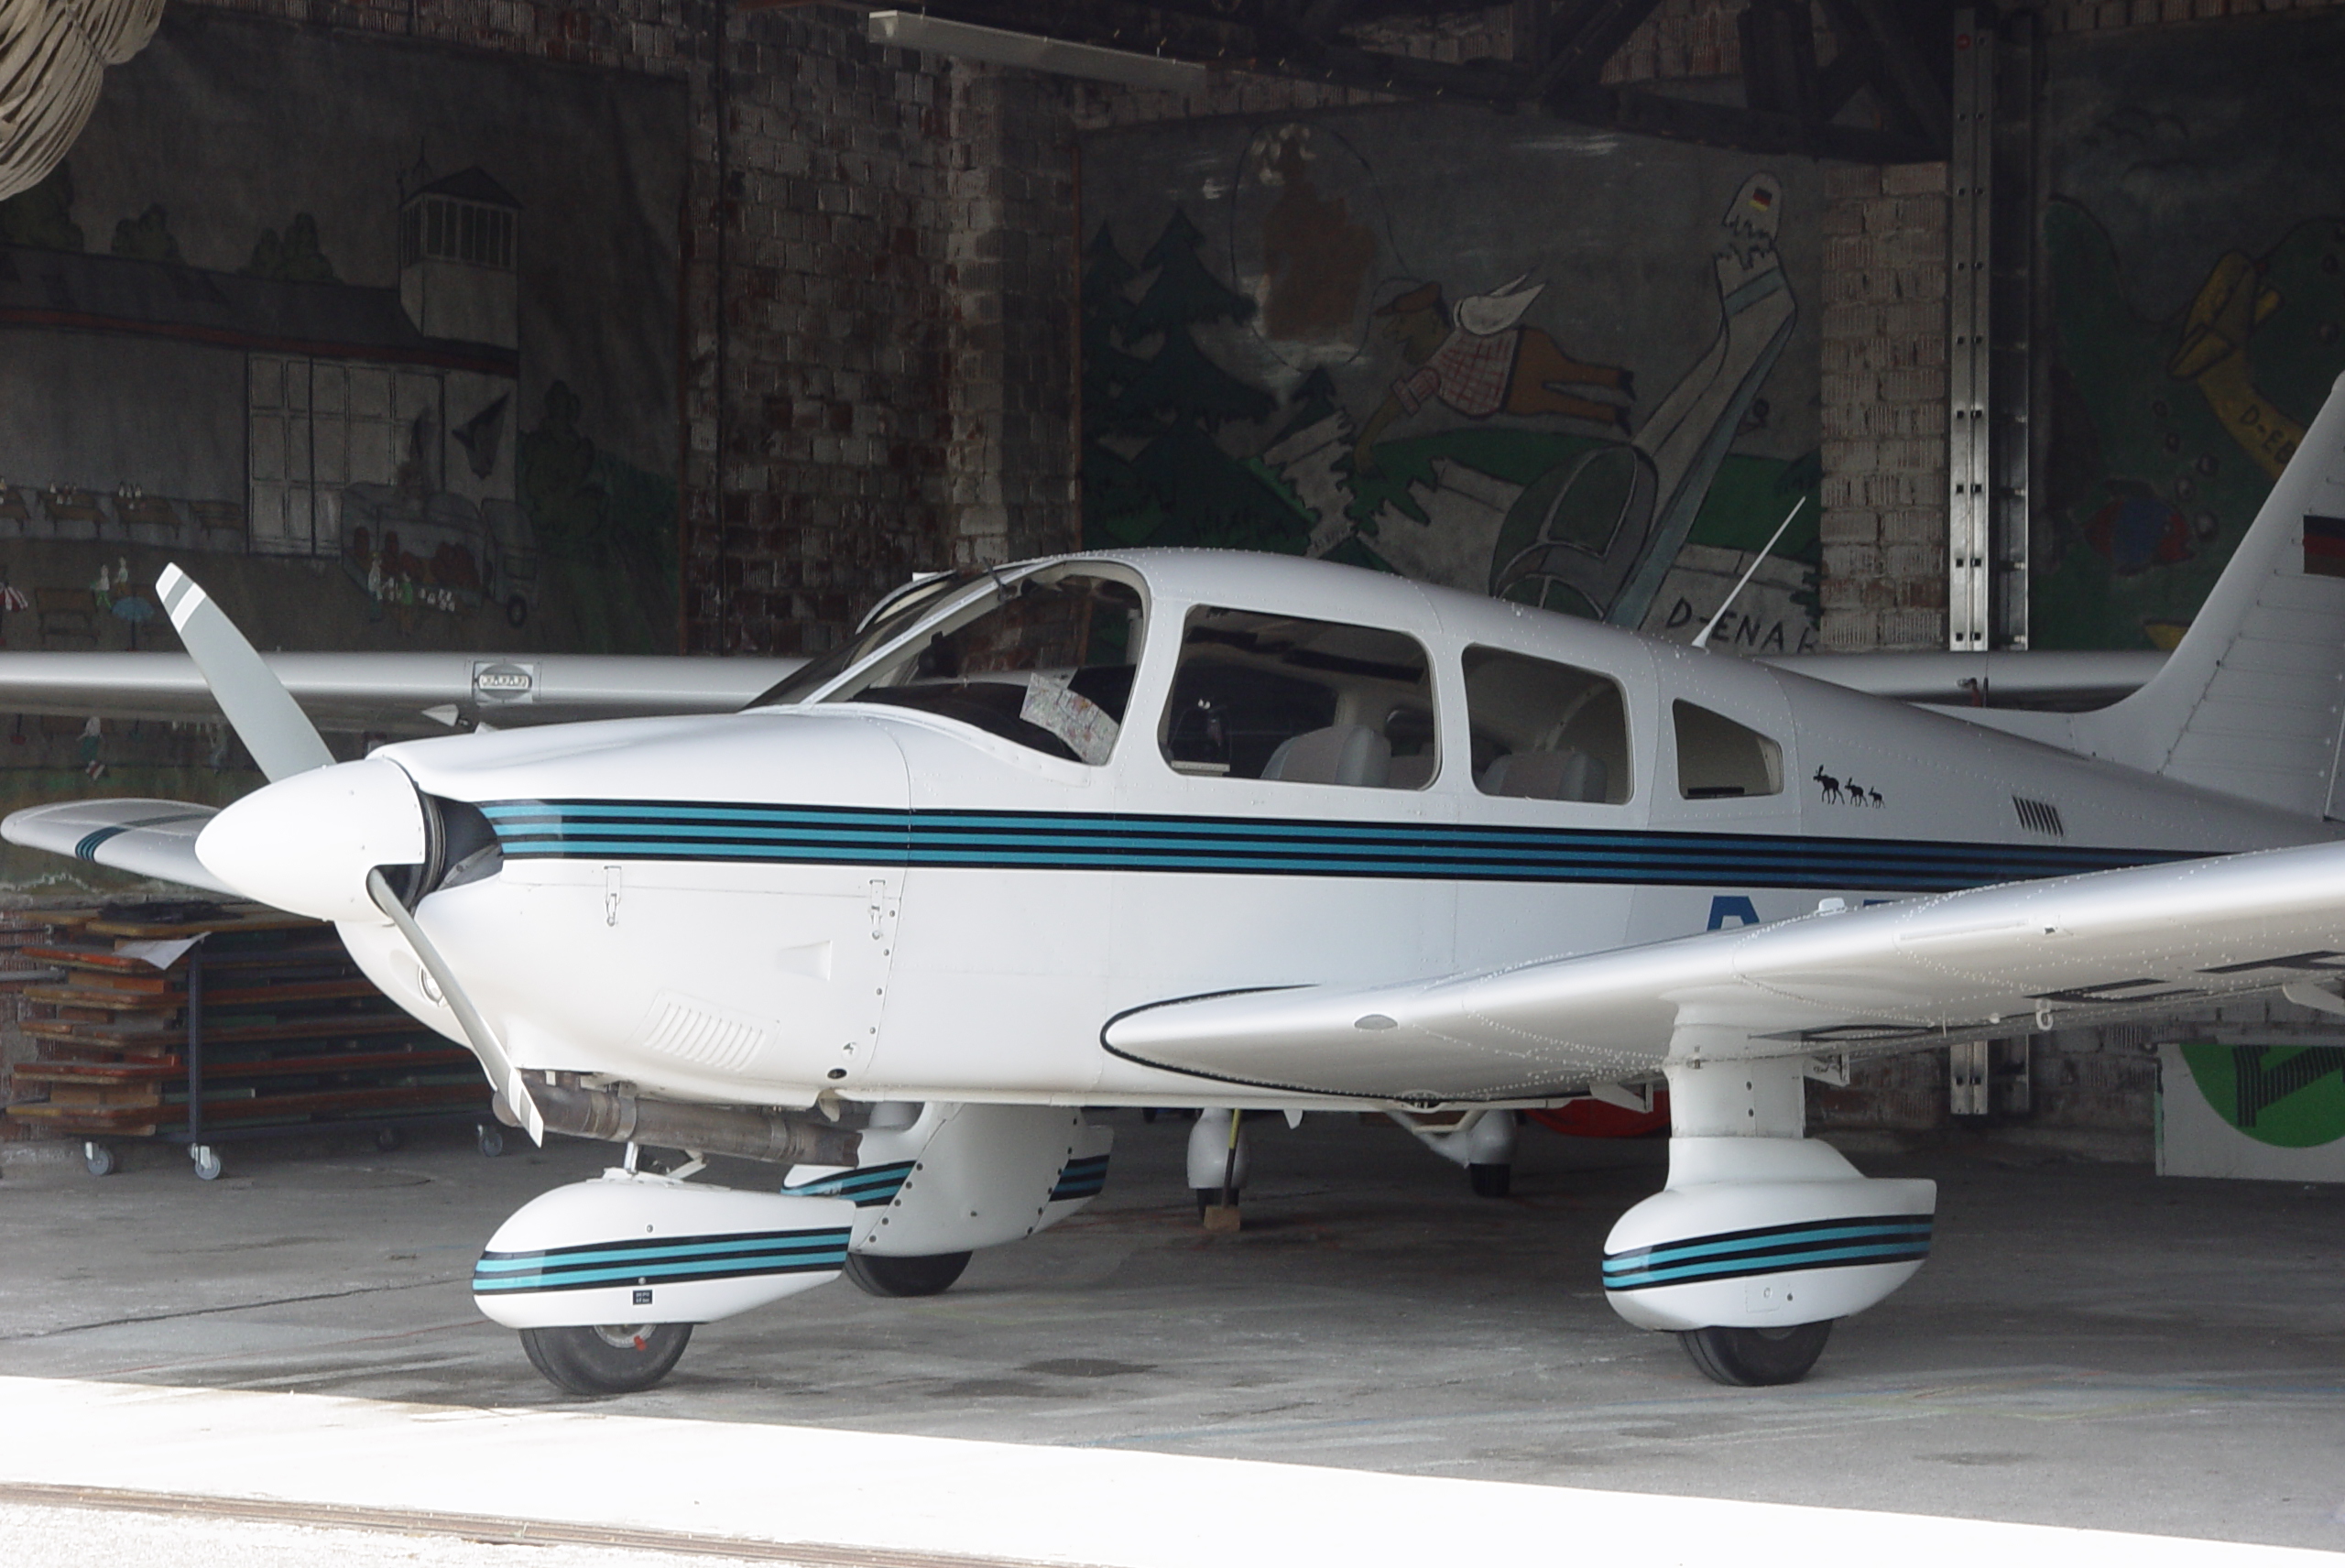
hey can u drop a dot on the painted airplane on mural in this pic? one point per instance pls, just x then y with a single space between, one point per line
1230 831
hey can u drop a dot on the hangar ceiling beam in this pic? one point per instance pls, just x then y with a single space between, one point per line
1897 65
1565 84
1582 38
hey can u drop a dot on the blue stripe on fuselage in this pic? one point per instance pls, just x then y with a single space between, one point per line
651 830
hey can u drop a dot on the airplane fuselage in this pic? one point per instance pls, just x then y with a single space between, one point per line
889 902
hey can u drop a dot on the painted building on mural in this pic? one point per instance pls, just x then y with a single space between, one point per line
375 425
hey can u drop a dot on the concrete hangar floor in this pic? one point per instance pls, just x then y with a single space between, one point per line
1402 1370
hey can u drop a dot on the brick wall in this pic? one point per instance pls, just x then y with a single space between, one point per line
876 302
898 280
1884 414
1010 276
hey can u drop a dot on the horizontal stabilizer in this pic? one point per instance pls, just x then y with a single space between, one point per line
146 838
2145 941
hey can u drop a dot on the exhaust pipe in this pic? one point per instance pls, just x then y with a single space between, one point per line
617 1117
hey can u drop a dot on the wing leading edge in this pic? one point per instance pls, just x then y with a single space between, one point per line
147 838
1992 961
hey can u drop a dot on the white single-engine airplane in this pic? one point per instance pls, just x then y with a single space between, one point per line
1229 831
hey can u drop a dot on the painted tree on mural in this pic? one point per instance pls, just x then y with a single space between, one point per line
42 217
1153 472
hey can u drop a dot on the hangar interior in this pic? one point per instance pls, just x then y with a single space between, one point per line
698 327
2030 304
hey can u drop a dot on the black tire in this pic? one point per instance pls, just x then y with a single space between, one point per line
389 1139
98 1160
491 1140
1490 1181
608 1360
932 1276
1756 1357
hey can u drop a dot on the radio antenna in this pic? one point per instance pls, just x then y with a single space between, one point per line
1702 638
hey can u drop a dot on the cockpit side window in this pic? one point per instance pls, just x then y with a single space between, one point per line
1262 696
1045 660
1544 731
1717 758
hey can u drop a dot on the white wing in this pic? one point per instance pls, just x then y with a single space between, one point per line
148 838
1969 966
396 692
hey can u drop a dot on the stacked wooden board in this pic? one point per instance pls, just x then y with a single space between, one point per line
255 1020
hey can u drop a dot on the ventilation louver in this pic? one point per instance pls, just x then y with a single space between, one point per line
2038 816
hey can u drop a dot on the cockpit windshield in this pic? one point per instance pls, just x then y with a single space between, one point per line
1045 660
904 613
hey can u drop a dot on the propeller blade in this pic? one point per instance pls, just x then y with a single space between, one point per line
263 714
500 1069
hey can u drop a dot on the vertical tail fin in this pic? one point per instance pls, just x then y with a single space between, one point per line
2251 701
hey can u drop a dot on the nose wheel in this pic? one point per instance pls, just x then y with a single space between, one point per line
1756 1357
608 1359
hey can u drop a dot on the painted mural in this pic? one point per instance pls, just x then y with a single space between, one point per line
1562 368
386 357
2196 277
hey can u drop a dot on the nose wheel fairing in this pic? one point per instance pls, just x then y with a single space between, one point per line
634 1248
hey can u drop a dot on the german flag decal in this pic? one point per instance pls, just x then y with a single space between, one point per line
2324 546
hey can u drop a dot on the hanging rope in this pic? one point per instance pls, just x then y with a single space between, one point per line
53 56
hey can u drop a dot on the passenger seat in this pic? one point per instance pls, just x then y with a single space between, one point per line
1548 776
1340 753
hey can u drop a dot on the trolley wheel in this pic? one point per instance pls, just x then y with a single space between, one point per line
491 1140
207 1163
609 1358
99 1158
931 1276
388 1139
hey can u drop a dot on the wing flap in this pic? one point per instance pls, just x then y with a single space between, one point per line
146 838
1966 966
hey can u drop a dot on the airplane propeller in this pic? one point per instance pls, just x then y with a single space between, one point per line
261 710
315 839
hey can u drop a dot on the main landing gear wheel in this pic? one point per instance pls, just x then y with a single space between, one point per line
1490 1181
931 1276
1756 1357
609 1358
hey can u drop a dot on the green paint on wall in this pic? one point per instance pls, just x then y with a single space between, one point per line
2287 1096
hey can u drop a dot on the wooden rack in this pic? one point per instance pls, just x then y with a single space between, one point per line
260 1027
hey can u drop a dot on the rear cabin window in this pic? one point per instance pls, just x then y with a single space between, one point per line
1718 760
1544 731
1260 696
